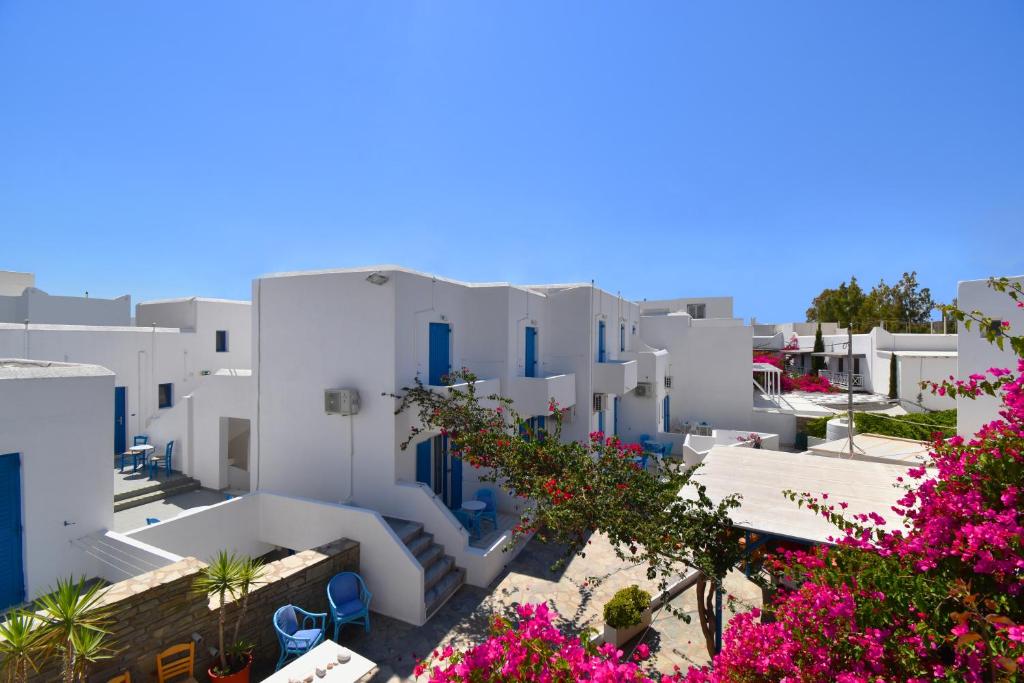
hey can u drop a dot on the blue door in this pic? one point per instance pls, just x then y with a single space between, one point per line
440 470
120 434
622 337
531 352
12 572
665 414
440 358
615 418
600 421
600 342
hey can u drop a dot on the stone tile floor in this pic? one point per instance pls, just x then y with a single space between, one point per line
578 593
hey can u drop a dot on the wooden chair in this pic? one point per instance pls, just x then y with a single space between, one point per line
172 665
126 677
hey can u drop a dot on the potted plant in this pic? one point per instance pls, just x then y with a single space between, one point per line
228 575
626 615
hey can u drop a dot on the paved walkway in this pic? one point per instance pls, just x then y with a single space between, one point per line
578 593
165 509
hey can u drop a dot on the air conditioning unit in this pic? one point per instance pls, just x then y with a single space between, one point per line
598 402
341 401
644 389
668 381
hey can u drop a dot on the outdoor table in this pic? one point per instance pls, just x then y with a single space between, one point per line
326 652
473 508
140 451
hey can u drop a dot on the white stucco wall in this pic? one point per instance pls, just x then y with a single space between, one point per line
714 306
58 418
13 283
37 306
710 365
976 354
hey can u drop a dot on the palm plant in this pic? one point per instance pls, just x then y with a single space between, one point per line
228 575
73 616
20 645
90 647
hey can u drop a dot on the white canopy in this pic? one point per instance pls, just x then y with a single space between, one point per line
760 476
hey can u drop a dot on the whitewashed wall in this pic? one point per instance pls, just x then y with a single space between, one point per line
976 354
37 306
59 419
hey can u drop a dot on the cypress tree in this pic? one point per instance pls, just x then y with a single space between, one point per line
818 362
892 377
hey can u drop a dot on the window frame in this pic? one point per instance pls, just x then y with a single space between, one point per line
169 403
221 348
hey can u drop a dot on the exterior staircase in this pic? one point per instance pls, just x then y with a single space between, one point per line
441 576
153 490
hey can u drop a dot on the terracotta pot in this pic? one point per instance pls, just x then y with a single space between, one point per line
241 676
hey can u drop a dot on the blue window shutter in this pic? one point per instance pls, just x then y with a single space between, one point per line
531 352
423 462
665 414
456 493
600 342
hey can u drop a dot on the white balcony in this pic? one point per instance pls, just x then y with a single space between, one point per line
615 377
483 388
531 395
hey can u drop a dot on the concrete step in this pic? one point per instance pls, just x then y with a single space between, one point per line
420 543
153 496
444 589
153 485
404 528
430 554
433 574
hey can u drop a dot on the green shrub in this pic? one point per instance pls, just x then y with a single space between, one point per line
816 427
627 607
917 426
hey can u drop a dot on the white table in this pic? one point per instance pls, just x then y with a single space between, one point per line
305 666
474 506
143 449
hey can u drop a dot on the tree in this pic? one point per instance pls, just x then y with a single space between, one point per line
74 625
893 370
905 303
21 644
228 575
818 362
577 488
841 304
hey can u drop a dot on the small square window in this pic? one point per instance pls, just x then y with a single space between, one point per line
696 311
165 395
222 341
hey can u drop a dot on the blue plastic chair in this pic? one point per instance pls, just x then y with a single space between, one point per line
490 512
294 637
154 463
349 600
152 520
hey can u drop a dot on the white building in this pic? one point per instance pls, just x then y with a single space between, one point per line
156 367
977 354
55 444
20 301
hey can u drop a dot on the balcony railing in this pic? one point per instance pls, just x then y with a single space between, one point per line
843 379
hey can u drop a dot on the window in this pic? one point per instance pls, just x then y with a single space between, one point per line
856 366
696 310
840 364
622 337
994 328
165 395
222 341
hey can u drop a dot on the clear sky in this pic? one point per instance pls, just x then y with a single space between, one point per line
760 149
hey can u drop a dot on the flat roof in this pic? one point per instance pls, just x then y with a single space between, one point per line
925 354
760 476
877 448
22 368
203 299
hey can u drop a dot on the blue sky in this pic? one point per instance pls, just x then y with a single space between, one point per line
760 149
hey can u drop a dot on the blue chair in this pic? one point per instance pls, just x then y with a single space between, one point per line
297 638
138 440
349 600
490 511
156 461
152 520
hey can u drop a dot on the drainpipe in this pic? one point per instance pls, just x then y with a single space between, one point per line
27 351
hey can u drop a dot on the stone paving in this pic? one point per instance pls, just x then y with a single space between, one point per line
165 509
578 593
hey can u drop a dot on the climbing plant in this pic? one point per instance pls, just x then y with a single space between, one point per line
577 488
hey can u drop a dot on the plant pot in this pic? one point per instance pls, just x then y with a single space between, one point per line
620 636
240 676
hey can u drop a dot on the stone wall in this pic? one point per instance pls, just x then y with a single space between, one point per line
158 609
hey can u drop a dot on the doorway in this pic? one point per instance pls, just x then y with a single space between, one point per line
234 452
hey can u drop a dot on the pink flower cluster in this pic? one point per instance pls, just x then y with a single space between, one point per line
533 649
812 383
960 534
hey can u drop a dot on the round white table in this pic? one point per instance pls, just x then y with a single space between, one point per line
143 449
474 506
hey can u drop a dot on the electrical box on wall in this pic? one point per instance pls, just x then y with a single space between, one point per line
341 401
